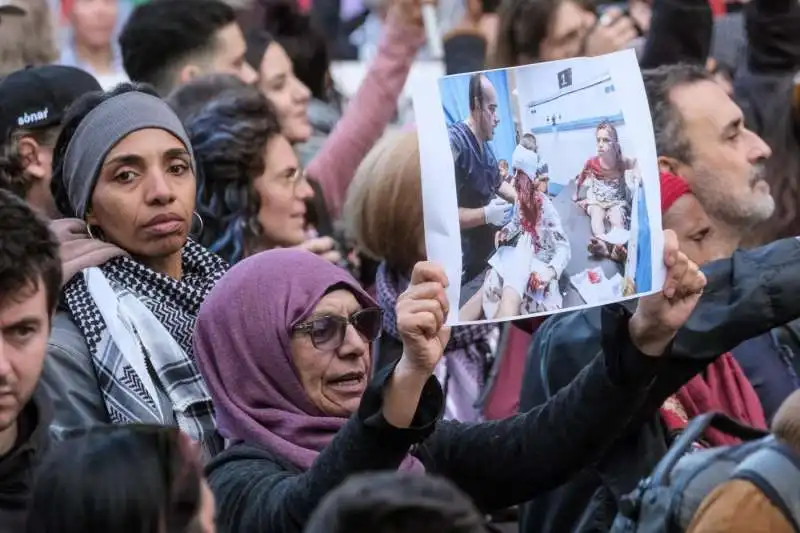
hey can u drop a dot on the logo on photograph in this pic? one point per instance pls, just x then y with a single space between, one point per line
565 78
30 118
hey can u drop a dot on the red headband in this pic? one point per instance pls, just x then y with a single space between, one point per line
672 188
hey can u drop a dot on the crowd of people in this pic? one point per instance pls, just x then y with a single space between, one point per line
216 312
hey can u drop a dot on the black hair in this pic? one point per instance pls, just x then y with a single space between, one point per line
125 479
667 121
190 98
28 252
392 502
304 43
523 25
229 137
475 92
12 165
160 35
73 118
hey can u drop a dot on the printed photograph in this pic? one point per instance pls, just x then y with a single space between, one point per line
549 197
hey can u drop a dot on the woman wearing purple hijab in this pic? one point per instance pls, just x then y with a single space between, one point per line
283 342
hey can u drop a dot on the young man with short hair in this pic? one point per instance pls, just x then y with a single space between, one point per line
171 42
30 283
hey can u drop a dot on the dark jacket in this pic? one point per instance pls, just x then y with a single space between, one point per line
18 466
746 296
498 464
768 363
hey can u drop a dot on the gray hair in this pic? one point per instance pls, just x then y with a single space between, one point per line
667 121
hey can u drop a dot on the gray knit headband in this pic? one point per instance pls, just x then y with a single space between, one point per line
102 129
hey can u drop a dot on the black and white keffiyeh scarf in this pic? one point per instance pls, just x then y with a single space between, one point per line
468 346
175 304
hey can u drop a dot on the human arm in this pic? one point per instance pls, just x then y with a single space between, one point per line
70 381
254 492
507 462
612 32
473 309
469 217
579 179
552 223
510 230
372 108
746 295
497 212
507 192
525 455
325 247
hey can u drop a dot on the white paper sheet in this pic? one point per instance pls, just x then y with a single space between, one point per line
616 236
562 104
596 288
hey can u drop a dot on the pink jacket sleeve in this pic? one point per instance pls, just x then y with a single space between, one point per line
367 115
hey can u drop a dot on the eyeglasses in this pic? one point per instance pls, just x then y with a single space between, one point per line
296 177
327 332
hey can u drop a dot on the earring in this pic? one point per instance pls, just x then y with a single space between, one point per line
200 219
89 231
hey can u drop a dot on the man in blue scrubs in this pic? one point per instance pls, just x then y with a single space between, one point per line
485 202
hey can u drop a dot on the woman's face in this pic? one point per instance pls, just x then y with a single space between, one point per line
93 21
605 143
569 25
282 190
334 380
288 94
144 197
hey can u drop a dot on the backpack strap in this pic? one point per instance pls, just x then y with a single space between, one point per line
776 472
693 431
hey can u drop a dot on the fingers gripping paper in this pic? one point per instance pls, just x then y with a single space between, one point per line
540 187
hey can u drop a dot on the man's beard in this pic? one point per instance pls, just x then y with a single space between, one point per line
741 213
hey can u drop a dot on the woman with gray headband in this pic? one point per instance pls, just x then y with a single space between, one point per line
120 351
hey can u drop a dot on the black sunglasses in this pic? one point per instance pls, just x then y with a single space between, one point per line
327 332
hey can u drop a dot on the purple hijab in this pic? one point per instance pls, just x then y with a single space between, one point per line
242 347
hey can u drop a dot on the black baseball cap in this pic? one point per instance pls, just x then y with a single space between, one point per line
38 97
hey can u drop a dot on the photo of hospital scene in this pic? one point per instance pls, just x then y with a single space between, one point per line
551 199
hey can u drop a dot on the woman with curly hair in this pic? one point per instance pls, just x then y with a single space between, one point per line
252 192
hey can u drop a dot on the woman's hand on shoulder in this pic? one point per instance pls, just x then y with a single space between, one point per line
421 313
325 247
78 250
659 316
